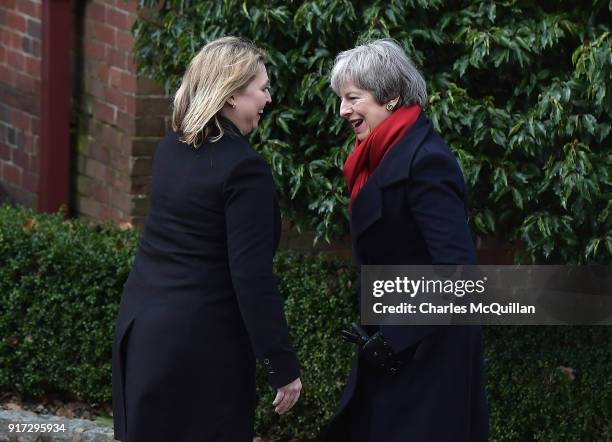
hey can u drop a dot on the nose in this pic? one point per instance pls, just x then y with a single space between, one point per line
345 109
268 97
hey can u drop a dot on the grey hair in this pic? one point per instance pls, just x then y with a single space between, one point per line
382 68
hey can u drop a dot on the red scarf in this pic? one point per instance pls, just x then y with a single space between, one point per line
368 153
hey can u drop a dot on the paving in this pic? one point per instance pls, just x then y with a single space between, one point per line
25 426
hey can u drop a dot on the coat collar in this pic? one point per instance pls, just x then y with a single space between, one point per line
395 167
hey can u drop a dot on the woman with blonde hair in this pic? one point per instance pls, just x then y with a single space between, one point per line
201 301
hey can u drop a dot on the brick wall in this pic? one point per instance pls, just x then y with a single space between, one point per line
119 117
20 58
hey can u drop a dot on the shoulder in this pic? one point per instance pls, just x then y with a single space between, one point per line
433 152
238 155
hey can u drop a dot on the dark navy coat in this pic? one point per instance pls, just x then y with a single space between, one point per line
201 302
412 211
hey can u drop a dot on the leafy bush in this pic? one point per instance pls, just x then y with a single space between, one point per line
60 283
520 90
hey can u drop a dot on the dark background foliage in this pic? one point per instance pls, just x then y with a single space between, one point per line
520 90
60 283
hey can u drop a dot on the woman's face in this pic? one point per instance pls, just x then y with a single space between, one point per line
249 103
359 107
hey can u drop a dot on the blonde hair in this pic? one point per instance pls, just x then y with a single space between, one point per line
219 70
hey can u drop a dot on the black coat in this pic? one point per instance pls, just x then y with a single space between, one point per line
412 211
201 301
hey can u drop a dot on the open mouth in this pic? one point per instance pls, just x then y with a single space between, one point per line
356 123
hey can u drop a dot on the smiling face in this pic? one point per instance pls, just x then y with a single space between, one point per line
245 107
360 108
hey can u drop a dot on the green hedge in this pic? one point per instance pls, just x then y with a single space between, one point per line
520 90
60 283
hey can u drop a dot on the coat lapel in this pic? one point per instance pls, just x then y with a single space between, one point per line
395 167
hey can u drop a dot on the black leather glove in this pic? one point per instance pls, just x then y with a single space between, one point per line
373 350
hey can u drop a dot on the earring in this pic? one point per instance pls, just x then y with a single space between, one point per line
233 105
389 107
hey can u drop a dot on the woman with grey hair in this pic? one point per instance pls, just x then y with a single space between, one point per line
407 207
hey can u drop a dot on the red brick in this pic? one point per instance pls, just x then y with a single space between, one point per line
110 176
121 164
129 6
124 182
110 137
104 112
5 152
131 65
32 67
96 88
28 7
140 185
6 37
20 158
27 84
140 166
94 50
29 145
96 11
104 33
16 41
116 18
115 97
2 52
16 60
130 104
128 82
125 40
126 122
34 159
16 22
35 125
95 169
30 181
89 207
106 213
116 57
153 106
7 75
21 120
101 72
99 153
35 49
122 202
11 174
114 76
100 193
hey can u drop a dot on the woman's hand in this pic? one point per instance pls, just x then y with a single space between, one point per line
287 396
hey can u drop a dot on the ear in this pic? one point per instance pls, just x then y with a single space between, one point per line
231 102
394 102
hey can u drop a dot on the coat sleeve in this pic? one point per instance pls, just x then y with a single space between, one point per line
250 210
436 199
